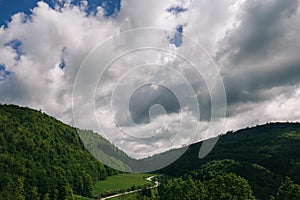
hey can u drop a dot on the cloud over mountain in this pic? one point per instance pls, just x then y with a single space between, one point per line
255 45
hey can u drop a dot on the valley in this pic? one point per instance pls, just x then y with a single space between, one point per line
42 158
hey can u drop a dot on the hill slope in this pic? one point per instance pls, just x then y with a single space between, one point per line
40 157
263 155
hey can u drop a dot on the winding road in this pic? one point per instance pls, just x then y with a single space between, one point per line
156 184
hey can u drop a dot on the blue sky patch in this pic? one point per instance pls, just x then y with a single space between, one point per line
62 63
177 39
11 7
176 10
110 6
3 73
16 45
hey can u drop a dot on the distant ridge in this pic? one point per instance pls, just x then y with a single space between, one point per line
40 157
264 155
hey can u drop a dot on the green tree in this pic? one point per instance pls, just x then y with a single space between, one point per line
146 192
288 190
34 193
47 154
14 189
87 186
178 189
79 185
20 193
47 196
229 186
64 191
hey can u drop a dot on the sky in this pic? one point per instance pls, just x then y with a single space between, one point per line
213 66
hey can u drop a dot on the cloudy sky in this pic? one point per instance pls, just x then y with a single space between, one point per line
207 67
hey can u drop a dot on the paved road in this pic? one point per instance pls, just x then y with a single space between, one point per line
155 182
133 191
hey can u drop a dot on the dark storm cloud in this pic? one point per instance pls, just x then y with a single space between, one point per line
245 85
148 95
256 46
261 53
203 95
261 26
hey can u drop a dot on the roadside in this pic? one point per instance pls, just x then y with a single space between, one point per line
156 184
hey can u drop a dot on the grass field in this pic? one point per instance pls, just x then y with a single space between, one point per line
133 196
120 182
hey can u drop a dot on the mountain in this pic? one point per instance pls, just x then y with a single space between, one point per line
42 158
264 155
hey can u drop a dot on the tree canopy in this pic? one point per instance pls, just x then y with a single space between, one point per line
42 158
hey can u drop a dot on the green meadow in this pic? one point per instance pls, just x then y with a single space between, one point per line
120 182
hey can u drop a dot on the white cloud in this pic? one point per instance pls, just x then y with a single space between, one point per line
36 80
256 49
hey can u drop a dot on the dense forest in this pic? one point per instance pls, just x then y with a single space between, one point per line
266 158
42 158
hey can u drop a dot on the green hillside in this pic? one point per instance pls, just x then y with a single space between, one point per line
263 155
42 158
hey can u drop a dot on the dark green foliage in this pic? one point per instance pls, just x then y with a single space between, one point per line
146 192
226 186
263 155
288 190
275 146
229 186
14 189
87 186
42 158
262 181
179 189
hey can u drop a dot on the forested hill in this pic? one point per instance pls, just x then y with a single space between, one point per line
264 155
42 158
